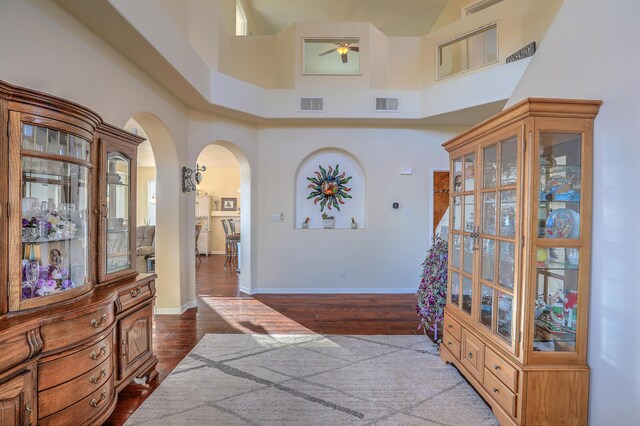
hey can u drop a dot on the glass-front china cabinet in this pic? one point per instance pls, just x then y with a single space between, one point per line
75 316
520 233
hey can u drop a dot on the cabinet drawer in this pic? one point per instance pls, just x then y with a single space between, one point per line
472 354
451 344
501 369
56 398
70 331
499 392
84 409
63 369
453 327
133 296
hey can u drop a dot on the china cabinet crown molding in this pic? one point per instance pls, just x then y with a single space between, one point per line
75 316
519 260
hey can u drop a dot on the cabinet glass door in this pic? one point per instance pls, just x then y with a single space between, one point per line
118 251
557 254
462 229
498 194
54 198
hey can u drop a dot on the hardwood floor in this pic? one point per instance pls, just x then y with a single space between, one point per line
221 308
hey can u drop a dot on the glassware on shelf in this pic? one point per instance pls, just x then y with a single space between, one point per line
455 288
486 306
490 166
467 294
457 213
489 213
556 305
457 175
469 172
488 259
455 251
506 264
509 162
469 205
505 316
508 213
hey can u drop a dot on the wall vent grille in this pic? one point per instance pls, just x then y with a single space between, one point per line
387 104
312 104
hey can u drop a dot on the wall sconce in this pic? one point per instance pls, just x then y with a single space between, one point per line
188 175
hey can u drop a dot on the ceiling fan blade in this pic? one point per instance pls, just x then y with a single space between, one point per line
327 52
344 58
354 48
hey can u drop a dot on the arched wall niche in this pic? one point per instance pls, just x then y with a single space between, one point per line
354 207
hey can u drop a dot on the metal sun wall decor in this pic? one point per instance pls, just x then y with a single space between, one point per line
329 188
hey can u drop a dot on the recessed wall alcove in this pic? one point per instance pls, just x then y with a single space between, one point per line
353 207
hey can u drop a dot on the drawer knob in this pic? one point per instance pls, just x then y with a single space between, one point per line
135 292
449 343
495 390
103 396
450 326
95 324
95 379
496 367
470 354
103 350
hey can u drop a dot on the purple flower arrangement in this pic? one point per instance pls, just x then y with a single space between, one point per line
432 292
51 280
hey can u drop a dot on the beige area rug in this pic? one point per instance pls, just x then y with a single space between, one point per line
260 379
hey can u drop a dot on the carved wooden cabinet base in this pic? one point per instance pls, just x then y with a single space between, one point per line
75 316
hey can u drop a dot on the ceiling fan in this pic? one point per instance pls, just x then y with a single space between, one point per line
342 49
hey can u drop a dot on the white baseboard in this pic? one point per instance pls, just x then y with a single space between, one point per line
245 289
217 252
339 290
175 311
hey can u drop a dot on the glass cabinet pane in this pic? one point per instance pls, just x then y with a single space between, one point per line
505 316
469 221
556 305
509 162
42 139
488 259
490 167
457 213
55 225
506 264
560 185
466 294
486 306
457 175
469 172
117 226
467 258
455 250
455 288
508 213
489 213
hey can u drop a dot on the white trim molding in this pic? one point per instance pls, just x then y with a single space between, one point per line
175 311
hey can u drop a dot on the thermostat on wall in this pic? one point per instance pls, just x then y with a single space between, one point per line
406 171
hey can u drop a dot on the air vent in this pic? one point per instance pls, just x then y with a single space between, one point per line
312 104
387 104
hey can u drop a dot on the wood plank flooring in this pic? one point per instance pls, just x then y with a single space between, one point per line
221 308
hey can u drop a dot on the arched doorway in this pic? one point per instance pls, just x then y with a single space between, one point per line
170 256
228 179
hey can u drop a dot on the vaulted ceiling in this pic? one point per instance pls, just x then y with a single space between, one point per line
392 17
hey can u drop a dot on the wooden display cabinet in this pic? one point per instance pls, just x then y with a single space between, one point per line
67 222
519 260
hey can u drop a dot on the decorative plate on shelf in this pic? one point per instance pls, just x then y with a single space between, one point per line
559 224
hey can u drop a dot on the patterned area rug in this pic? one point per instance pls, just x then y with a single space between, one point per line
258 379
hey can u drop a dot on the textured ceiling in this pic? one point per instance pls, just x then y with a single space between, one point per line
392 17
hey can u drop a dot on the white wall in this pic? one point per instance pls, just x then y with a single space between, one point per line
52 52
383 257
589 52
